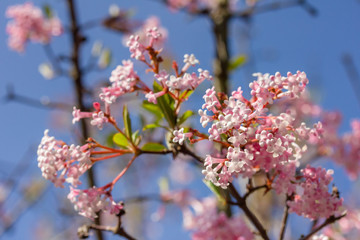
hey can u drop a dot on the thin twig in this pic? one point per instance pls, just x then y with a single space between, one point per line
328 221
244 14
249 214
254 189
353 74
284 219
83 231
11 96
55 61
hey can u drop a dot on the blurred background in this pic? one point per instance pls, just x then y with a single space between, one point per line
324 44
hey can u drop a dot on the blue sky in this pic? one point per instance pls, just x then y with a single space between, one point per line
284 40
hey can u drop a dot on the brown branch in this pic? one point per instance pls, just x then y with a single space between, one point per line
328 221
284 220
83 231
11 96
220 24
244 14
254 189
77 40
55 61
353 74
249 214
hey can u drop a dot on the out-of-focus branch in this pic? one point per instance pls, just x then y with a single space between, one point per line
243 14
11 96
83 231
284 220
21 208
77 40
241 202
55 60
328 221
353 74
220 23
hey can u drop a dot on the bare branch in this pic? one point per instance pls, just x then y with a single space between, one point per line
244 14
249 214
284 220
328 221
11 96
353 74
83 231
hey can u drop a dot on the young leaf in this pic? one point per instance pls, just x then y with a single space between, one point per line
218 191
237 62
185 116
166 104
186 94
154 109
120 140
48 11
155 147
151 126
127 121
136 138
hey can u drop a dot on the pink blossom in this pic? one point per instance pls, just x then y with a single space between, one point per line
78 114
189 61
207 223
259 141
123 79
312 199
137 49
60 162
98 119
187 81
180 136
90 201
30 24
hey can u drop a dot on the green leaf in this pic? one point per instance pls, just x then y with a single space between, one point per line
127 121
163 185
48 11
166 104
185 116
237 62
155 147
218 191
120 140
136 138
151 126
105 58
154 109
186 94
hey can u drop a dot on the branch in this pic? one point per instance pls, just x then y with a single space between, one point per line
55 61
12 96
77 40
254 189
284 220
275 6
328 221
250 215
353 74
83 231
220 23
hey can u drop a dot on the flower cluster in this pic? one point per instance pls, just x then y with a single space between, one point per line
123 80
208 223
254 140
90 201
30 24
60 162
143 47
312 199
